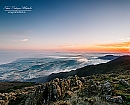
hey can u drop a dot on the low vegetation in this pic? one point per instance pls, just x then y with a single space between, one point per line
6 87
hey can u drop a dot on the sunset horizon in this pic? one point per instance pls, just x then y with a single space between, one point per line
118 47
67 25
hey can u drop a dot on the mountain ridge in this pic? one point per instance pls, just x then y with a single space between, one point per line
120 64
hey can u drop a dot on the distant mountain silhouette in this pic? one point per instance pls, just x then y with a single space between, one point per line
108 57
118 65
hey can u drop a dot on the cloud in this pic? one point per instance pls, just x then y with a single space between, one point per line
24 40
126 39
119 44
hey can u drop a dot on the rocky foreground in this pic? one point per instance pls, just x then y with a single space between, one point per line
102 84
103 89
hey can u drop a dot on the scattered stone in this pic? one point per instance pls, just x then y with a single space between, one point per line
114 99
70 91
123 82
106 88
69 94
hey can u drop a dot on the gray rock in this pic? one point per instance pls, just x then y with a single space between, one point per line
123 82
115 99
106 88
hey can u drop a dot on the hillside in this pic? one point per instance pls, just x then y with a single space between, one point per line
102 84
101 89
118 65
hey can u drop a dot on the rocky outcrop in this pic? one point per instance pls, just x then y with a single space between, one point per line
58 88
42 93
25 96
74 90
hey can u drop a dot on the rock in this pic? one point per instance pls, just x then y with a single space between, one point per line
56 80
92 82
123 82
79 83
106 88
93 87
90 101
56 91
70 91
82 79
114 99
62 103
2 102
69 94
117 99
3 96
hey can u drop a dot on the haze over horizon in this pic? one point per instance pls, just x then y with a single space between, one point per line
66 25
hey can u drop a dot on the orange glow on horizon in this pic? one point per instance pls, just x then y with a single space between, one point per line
109 47
97 49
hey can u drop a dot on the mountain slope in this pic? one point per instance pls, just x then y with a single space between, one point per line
119 65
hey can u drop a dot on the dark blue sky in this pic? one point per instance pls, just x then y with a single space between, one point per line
59 24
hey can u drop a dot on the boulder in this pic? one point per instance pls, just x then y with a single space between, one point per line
106 88
123 82
114 99
69 94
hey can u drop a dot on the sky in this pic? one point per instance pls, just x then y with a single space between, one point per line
66 25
